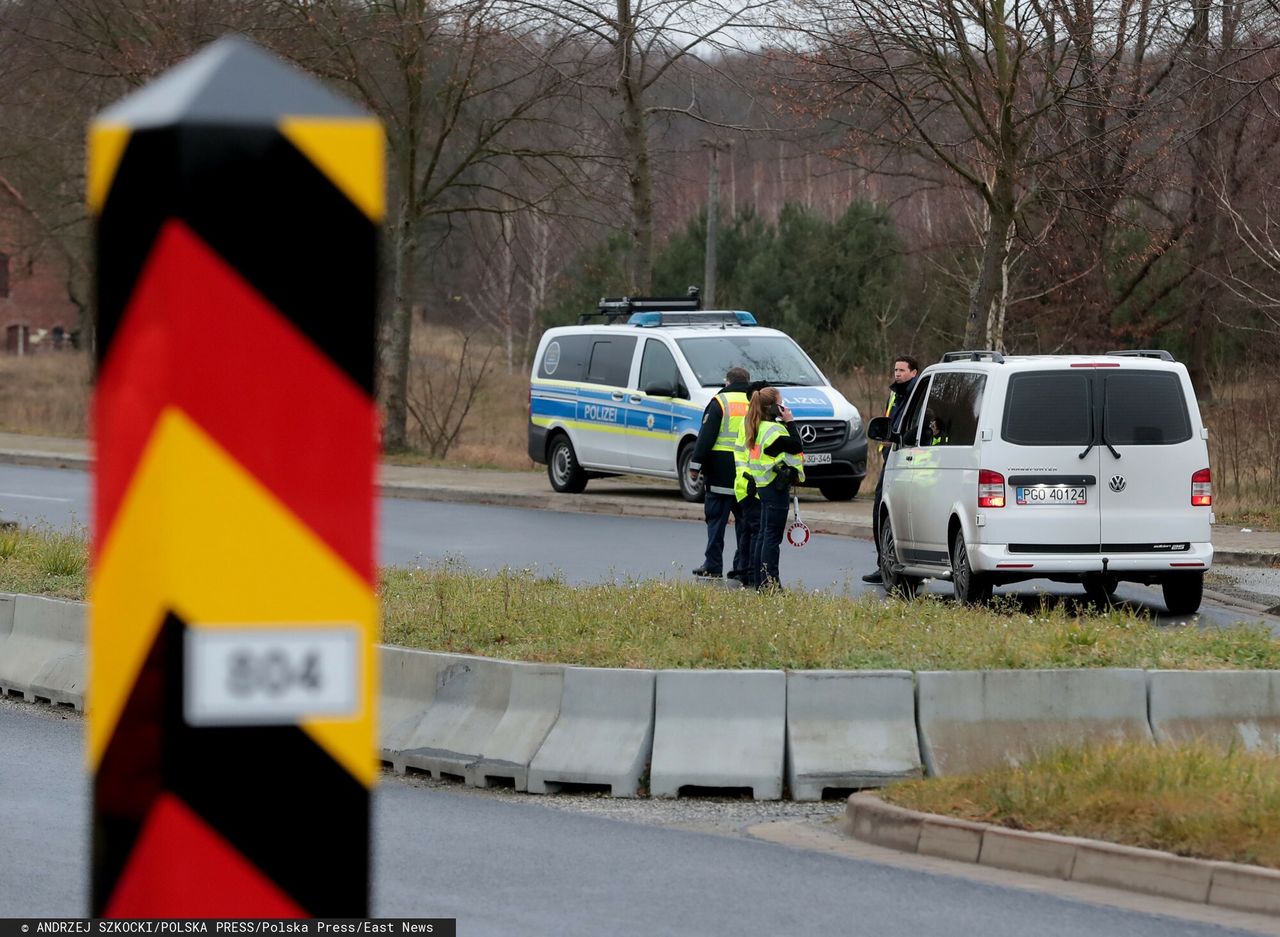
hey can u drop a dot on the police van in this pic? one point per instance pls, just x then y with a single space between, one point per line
1089 469
622 392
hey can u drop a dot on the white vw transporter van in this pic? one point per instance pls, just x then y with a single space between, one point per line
623 392
1071 468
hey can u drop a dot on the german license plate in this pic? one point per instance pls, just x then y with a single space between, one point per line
817 458
1051 494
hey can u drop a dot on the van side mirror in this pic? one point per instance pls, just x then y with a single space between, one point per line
660 390
878 429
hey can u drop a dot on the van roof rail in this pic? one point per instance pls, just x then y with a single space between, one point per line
1144 353
613 308
974 356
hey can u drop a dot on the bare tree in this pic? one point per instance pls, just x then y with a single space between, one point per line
637 46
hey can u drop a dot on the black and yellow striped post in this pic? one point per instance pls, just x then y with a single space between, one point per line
232 680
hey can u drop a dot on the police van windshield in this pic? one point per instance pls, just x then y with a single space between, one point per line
773 358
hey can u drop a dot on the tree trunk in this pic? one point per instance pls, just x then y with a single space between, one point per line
986 290
396 334
713 212
640 171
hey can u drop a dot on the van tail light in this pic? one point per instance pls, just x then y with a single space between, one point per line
1202 488
990 489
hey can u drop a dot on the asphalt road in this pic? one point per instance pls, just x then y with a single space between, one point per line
507 868
582 548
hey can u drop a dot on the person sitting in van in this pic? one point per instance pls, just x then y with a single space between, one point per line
770 458
713 462
933 433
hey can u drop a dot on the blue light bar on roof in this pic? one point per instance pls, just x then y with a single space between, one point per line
646 320
745 318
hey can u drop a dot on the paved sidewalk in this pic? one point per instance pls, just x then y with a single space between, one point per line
627 495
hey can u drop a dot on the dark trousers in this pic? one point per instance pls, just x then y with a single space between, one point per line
766 547
716 508
751 531
875 515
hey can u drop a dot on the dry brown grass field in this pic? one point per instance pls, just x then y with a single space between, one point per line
48 394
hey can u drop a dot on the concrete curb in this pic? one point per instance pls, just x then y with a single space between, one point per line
532 712
470 700
850 729
406 692
1149 871
719 729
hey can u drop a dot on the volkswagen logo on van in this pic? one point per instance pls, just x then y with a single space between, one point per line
1117 483
808 433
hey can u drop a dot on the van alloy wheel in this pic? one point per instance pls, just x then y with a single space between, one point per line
563 470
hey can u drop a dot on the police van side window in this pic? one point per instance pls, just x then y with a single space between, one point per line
951 415
565 358
1145 408
610 361
910 425
658 367
1049 408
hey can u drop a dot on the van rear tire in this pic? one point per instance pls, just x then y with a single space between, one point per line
691 491
1183 593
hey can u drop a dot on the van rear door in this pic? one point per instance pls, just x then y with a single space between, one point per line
1145 493
1049 463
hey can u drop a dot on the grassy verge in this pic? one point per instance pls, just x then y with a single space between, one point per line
518 616
1192 799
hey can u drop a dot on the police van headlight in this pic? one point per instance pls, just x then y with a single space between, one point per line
855 425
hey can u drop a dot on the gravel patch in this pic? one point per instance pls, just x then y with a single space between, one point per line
726 815
1259 585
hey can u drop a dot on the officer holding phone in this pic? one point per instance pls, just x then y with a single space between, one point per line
771 458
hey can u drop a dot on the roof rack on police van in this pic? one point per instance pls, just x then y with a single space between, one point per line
995 356
1144 353
621 307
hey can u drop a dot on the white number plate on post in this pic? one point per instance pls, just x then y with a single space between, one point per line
817 458
271 676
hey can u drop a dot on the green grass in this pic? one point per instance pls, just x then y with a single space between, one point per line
40 561
1192 799
664 623
519 616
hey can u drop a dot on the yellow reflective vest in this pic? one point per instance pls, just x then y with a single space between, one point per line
733 413
751 461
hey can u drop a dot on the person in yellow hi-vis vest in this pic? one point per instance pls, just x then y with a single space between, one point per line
714 463
770 457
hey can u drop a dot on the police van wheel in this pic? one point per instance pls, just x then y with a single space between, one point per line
843 490
688 490
1183 592
563 470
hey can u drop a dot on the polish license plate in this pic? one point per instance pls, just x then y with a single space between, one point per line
817 458
1051 494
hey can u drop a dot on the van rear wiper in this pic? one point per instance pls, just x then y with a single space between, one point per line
1087 450
1107 443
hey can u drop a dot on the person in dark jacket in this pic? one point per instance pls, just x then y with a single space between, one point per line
905 371
713 462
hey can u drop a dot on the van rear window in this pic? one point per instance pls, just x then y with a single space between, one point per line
1048 408
1145 408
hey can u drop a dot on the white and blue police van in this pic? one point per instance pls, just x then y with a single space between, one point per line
622 393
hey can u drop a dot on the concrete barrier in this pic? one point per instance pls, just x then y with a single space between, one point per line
850 730
604 735
470 699
406 689
973 720
42 649
1226 707
532 710
718 729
